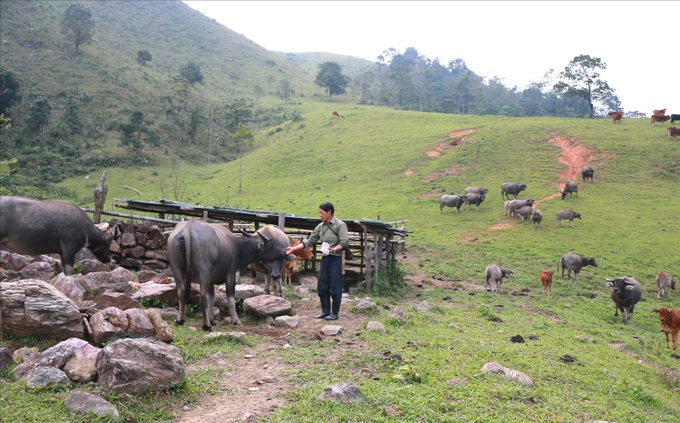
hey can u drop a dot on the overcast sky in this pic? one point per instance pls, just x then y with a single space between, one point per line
517 42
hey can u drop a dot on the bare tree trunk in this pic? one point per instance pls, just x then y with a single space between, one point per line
100 198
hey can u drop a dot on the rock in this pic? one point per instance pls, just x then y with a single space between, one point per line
151 276
245 291
341 392
37 270
139 324
310 282
119 300
423 307
289 322
493 368
25 354
32 307
85 403
89 266
58 356
331 330
267 305
161 329
375 326
110 323
139 366
81 369
71 286
366 304
97 283
160 293
13 262
46 377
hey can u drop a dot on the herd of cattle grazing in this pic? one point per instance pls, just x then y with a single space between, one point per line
658 116
625 291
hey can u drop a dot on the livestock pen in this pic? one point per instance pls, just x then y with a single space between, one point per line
374 244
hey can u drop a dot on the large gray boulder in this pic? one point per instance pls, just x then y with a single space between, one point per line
60 357
138 366
85 403
267 306
32 307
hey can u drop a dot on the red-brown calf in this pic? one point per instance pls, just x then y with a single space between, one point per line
670 324
304 254
660 119
673 132
546 280
336 114
616 116
659 112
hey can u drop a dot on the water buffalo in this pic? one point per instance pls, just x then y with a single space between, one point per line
211 254
664 283
452 201
524 212
476 190
587 173
574 262
495 273
570 188
625 293
273 271
32 227
568 215
511 206
537 218
474 198
513 188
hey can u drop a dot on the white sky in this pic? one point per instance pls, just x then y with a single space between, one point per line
517 41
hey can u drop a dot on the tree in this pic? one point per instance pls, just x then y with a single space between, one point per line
285 90
9 89
331 78
243 137
78 25
39 115
133 130
143 57
191 73
237 114
580 78
71 116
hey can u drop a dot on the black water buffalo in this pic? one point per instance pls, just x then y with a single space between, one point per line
587 173
495 273
626 292
476 190
452 201
574 262
537 218
570 188
273 270
32 227
524 212
474 198
211 254
568 215
513 188
675 118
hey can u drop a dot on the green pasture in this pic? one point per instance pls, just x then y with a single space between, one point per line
374 163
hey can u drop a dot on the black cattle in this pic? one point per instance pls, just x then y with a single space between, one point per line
210 254
513 188
570 188
568 215
474 198
674 118
32 227
537 218
452 201
273 271
587 173
574 262
626 292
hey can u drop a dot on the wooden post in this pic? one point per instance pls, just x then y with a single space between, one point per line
100 199
282 221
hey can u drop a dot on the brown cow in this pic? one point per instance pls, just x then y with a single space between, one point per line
546 281
660 119
304 254
659 112
670 324
616 116
336 114
673 132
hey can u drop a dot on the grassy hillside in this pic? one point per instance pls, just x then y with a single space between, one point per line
630 225
309 62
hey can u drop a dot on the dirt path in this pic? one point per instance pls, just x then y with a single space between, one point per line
254 381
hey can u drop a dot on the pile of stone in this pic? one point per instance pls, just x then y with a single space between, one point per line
141 244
